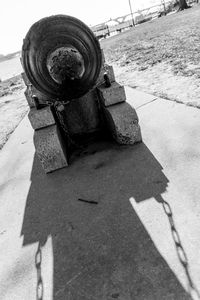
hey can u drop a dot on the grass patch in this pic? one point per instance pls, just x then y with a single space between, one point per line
174 39
10 86
160 56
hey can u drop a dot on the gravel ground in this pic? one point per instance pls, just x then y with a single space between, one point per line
13 106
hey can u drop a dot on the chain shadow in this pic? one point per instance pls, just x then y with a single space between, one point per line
182 256
101 250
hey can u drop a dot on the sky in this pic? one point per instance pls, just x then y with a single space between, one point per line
16 16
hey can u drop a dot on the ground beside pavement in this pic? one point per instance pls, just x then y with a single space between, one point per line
13 106
160 57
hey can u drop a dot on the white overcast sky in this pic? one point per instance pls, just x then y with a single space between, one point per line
16 16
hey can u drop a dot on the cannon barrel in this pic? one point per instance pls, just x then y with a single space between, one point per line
61 57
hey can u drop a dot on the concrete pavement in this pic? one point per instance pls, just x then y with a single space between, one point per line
123 247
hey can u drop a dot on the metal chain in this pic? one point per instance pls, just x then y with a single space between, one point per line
38 262
194 293
58 110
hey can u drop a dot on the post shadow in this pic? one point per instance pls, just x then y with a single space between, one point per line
101 251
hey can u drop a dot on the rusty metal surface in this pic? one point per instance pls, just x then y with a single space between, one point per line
65 63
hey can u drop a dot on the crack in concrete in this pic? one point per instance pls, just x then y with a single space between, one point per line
76 276
189 104
147 103
68 282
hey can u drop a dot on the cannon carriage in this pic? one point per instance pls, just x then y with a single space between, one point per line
71 91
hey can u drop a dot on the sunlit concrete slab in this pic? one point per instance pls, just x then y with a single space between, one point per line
118 245
171 132
138 98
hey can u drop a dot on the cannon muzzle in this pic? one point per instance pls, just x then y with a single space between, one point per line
61 57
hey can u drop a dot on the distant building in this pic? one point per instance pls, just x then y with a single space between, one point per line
101 30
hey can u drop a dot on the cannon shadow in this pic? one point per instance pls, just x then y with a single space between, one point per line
101 249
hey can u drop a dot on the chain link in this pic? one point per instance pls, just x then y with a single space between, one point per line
62 124
38 262
58 110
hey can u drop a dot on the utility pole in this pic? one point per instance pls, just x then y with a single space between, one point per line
163 3
131 12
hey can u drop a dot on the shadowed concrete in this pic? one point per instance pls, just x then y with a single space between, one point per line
121 247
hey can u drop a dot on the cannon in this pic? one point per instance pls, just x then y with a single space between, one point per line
71 91
61 57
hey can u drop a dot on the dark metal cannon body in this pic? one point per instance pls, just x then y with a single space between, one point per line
61 57
71 91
